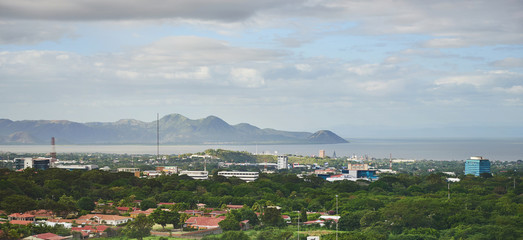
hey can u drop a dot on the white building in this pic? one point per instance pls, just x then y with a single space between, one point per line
77 167
105 219
283 162
245 176
55 222
128 170
200 175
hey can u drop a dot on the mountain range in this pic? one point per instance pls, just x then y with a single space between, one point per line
173 129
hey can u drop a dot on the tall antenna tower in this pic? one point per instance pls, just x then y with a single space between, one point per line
53 152
157 136
390 161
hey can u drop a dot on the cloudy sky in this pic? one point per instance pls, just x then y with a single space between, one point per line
360 68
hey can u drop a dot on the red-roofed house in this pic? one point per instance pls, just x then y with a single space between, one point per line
320 222
21 217
286 218
42 214
201 205
147 212
21 222
204 222
91 229
217 213
234 206
193 212
166 204
45 236
123 210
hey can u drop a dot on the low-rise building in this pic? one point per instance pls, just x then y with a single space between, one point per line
198 175
66 223
204 222
231 206
193 212
131 170
21 217
147 212
105 219
245 176
46 236
312 222
77 167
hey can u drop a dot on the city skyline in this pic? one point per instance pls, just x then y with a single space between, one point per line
359 68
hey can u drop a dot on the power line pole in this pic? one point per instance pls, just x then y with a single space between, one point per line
157 137
337 216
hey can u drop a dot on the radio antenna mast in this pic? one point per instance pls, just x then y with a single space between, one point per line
157 136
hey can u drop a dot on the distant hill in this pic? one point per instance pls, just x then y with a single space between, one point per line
174 129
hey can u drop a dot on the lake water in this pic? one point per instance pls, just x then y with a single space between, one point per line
430 149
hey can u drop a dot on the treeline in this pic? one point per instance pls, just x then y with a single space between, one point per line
394 207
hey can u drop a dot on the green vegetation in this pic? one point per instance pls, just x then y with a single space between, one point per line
413 204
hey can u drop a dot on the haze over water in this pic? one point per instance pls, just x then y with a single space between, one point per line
429 149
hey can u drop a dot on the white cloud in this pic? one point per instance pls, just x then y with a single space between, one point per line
32 32
450 23
509 63
62 57
474 80
363 70
446 43
512 90
95 10
303 67
190 50
517 102
127 74
246 77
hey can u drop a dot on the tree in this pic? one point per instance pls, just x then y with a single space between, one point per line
86 203
165 217
303 215
140 227
229 224
159 216
18 203
174 219
250 215
66 204
350 221
272 217
234 235
147 203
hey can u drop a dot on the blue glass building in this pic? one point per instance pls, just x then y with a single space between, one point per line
476 166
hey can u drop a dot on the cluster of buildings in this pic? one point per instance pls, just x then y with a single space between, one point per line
474 165
42 163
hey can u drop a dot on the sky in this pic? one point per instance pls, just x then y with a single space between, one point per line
392 68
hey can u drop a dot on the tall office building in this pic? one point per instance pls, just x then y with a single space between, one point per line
283 162
476 166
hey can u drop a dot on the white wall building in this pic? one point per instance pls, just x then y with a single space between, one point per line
245 176
200 175
128 170
283 162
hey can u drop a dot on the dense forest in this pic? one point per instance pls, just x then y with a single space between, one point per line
402 206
